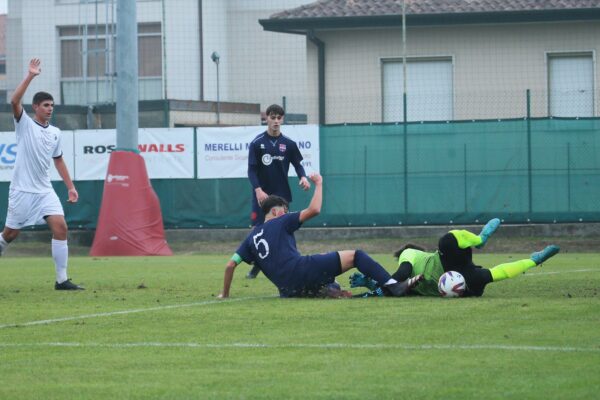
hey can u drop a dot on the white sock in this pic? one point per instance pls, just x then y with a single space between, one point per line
3 244
60 254
391 281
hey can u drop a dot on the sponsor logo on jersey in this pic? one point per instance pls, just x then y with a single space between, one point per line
267 159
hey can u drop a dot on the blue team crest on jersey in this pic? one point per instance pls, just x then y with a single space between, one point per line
262 146
282 147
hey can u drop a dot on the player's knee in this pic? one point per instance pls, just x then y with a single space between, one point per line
59 230
347 259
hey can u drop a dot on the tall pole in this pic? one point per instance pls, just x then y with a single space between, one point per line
218 96
216 58
404 48
127 76
404 109
529 164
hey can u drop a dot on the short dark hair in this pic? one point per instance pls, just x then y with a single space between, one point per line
273 201
275 109
41 96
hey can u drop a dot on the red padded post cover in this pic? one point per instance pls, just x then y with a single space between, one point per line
130 221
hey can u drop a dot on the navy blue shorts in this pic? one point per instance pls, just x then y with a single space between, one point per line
313 273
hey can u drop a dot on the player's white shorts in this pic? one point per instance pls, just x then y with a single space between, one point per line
26 209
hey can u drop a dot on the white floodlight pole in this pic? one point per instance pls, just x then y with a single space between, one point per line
127 76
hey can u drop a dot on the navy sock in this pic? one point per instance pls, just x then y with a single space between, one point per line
370 267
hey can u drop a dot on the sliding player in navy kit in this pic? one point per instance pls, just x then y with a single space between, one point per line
271 246
269 158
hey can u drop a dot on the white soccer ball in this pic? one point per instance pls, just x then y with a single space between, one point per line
452 284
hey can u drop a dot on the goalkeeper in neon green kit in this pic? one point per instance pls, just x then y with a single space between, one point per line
454 254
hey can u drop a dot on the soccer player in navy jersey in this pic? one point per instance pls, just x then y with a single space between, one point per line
271 246
269 157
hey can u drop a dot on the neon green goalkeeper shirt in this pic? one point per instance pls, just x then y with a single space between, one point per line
428 264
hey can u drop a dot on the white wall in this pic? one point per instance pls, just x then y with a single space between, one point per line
493 66
255 66
264 66
182 37
32 32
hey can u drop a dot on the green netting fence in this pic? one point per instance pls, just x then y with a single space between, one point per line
538 171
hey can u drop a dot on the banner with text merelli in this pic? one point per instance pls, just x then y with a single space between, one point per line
223 152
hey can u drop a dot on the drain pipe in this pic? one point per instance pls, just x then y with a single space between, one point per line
321 73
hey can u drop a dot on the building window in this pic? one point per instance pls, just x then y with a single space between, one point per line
88 66
429 89
571 85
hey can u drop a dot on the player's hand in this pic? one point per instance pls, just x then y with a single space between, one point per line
260 195
34 66
304 183
316 178
73 195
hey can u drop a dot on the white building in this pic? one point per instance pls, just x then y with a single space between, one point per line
465 59
176 40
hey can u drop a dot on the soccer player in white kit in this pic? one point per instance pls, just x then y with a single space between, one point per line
31 199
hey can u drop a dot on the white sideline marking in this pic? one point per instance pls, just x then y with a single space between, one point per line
133 311
356 346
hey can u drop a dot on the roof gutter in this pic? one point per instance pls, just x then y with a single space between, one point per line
320 72
305 24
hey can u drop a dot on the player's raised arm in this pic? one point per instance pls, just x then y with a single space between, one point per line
17 96
314 208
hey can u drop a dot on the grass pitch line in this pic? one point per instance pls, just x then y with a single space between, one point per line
562 272
323 346
133 311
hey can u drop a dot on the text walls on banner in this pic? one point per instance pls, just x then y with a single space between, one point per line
168 153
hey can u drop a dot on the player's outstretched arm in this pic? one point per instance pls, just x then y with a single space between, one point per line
228 278
314 208
17 96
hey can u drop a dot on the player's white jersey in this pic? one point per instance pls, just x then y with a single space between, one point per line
36 146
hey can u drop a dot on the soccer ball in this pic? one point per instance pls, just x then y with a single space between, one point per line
452 284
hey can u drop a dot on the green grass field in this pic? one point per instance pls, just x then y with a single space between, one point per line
151 327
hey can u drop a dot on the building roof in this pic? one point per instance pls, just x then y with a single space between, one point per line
326 14
363 8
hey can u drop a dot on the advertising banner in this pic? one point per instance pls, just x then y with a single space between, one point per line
223 152
168 153
8 155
